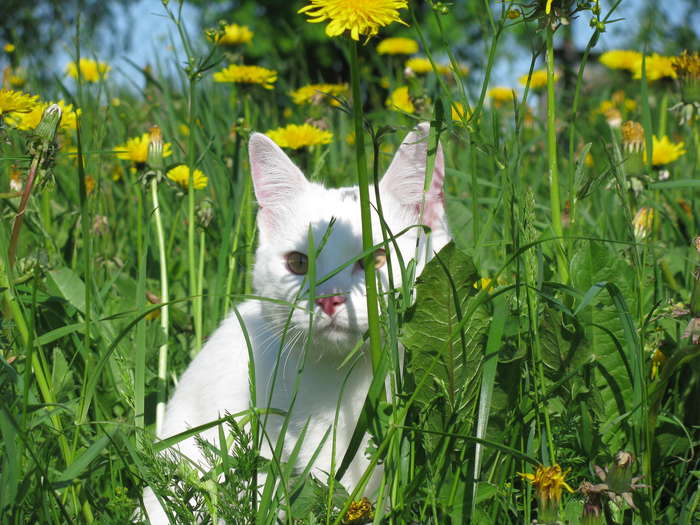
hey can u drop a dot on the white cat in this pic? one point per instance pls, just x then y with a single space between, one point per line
217 380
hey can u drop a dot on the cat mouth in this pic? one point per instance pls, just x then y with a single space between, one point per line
334 325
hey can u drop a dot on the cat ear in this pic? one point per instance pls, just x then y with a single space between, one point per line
404 180
276 180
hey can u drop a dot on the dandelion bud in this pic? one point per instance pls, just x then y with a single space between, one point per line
632 136
100 224
46 130
205 213
155 148
16 183
687 68
692 331
592 505
657 359
620 472
613 117
643 222
152 299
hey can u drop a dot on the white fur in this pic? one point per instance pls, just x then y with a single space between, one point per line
216 382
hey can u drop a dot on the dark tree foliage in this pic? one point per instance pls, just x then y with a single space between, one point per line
38 28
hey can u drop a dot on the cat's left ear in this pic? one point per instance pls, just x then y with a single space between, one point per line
404 180
276 180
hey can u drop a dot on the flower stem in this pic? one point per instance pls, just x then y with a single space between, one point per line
555 203
164 311
365 208
191 249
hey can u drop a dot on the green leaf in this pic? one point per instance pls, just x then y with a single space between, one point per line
69 286
448 372
592 266
83 461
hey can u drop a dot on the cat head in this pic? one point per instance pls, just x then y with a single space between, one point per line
292 211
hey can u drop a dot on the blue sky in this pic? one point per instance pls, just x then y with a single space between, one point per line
153 37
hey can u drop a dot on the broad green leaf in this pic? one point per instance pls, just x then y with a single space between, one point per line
605 337
69 286
450 372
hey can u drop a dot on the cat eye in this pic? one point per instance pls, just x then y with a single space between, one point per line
379 258
297 263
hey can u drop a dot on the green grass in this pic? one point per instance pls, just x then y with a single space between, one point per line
552 365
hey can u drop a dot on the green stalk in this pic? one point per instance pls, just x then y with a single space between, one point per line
365 208
234 249
191 251
164 311
555 203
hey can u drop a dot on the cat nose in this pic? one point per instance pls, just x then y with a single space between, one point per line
329 304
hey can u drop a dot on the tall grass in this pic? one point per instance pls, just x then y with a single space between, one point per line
551 362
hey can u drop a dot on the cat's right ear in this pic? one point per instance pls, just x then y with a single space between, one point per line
276 180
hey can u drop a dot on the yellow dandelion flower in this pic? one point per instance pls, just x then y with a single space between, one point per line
117 172
300 136
421 66
643 222
30 120
360 17
14 78
657 66
548 6
181 175
90 70
501 95
16 101
359 512
548 483
687 65
658 358
538 79
399 99
397 46
9 48
233 35
247 75
136 149
184 130
485 283
89 184
605 106
316 93
665 151
458 111
153 314
620 59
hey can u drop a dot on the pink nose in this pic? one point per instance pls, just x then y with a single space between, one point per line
329 304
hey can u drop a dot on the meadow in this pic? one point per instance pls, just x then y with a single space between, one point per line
561 382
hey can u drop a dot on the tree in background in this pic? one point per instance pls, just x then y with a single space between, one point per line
39 28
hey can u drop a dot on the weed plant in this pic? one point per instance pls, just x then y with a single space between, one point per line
552 346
